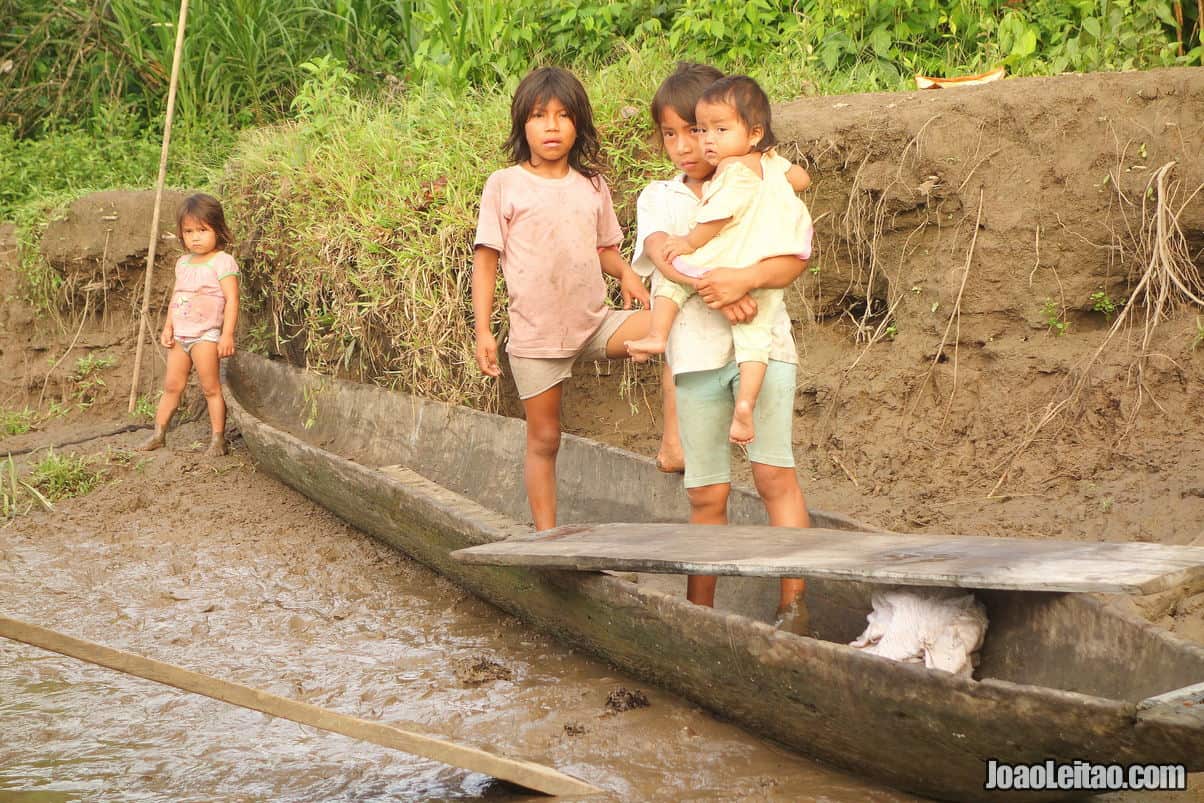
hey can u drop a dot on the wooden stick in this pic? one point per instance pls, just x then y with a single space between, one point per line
154 233
521 773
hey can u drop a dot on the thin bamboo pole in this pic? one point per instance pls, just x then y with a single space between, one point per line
517 771
154 232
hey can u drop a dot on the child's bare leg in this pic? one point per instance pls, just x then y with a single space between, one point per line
752 376
670 457
539 465
204 356
708 505
664 312
178 366
786 506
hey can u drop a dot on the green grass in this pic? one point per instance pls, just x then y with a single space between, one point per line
17 422
61 476
145 408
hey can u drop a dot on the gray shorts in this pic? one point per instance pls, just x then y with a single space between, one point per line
208 336
534 375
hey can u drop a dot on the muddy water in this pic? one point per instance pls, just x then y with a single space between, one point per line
215 567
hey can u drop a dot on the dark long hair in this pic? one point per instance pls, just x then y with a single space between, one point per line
208 210
750 102
540 86
681 90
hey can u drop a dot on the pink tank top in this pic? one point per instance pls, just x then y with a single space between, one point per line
198 303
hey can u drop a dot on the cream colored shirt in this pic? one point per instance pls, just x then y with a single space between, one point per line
765 217
701 338
547 233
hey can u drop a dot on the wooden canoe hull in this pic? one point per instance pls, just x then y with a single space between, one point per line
921 730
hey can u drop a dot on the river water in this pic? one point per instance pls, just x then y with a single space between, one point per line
216 567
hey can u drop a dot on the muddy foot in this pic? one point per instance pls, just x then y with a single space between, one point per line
645 348
742 431
217 446
157 440
795 618
671 462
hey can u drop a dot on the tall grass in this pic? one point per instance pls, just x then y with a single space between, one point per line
86 60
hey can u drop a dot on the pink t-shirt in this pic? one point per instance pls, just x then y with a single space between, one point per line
548 232
197 302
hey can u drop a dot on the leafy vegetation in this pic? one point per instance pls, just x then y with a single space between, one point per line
61 476
1103 303
102 63
16 422
368 128
1054 317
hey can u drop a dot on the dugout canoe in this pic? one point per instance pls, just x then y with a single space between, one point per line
1063 677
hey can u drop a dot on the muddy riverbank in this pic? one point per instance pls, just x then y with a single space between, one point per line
214 566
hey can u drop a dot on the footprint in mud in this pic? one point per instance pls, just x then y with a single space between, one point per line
624 699
478 669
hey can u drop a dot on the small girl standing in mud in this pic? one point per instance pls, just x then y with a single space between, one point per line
199 329
748 212
548 220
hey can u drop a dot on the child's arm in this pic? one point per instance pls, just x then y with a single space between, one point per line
722 286
654 247
799 178
167 338
699 236
225 345
630 283
484 282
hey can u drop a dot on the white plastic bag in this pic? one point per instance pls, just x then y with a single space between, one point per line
944 629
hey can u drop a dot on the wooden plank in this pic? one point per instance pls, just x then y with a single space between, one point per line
916 560
522 773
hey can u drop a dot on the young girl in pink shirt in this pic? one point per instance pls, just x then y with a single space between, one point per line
199 329
549 222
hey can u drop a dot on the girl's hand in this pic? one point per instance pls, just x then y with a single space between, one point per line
167 338
225 346
486 353
676 247
633 289
723 286
741 311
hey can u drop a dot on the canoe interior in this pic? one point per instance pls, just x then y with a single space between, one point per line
1063 641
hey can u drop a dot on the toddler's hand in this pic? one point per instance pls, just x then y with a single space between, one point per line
225 346
167 338
486 353
676 247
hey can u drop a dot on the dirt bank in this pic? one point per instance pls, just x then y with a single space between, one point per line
974 249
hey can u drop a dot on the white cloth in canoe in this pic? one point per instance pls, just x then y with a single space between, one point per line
944 629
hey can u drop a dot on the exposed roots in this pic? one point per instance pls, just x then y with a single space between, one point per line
1168 279
954 323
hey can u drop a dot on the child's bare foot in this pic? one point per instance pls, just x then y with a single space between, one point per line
217 445
157 440
671 461
794 618
742 431
643 349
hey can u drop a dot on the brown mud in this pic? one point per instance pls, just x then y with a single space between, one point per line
955 231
